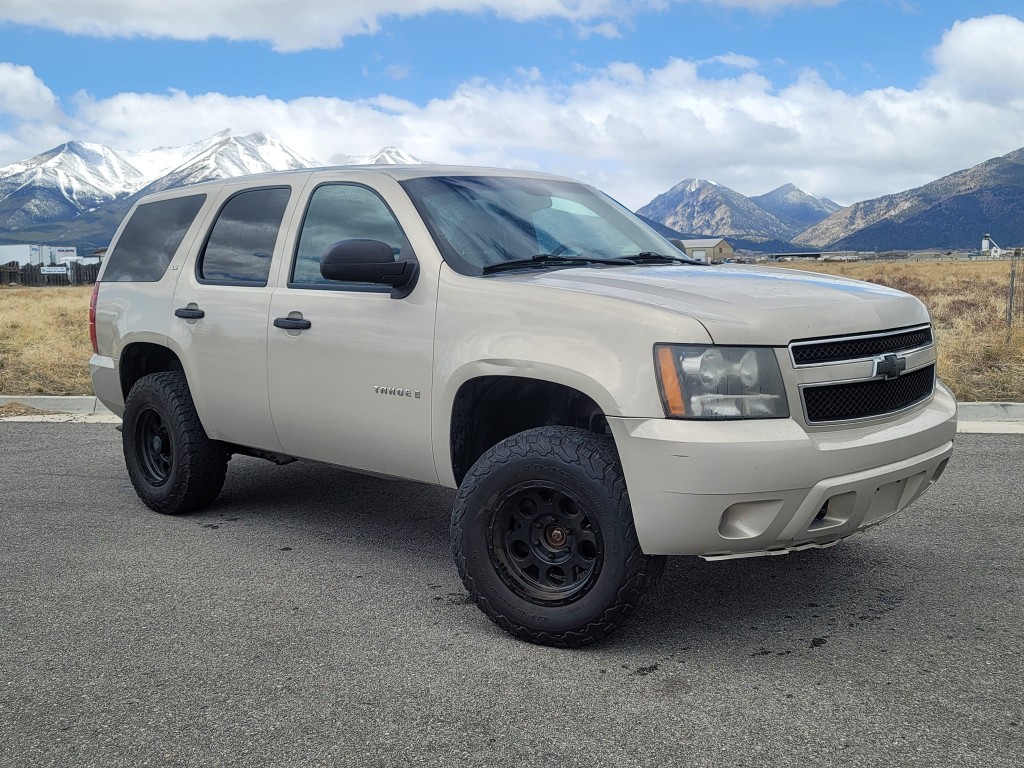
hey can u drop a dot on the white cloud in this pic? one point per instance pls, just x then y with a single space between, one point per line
604 29
632 131
396 72
734 60
531 74
317 23
30 115
982 60
25 96
769 6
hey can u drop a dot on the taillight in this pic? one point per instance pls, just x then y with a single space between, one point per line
92 317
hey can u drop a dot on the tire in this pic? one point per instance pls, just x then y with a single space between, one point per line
543 537
173 465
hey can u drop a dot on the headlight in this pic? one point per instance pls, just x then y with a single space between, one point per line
698 382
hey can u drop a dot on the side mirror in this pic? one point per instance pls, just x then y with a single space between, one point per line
369 261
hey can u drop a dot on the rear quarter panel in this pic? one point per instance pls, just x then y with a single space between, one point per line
135 312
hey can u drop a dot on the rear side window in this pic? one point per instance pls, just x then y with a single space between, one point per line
241 244
150 239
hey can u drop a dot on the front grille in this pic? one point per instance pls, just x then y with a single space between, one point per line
816 352
862 399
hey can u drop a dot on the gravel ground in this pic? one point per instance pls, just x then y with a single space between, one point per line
313 617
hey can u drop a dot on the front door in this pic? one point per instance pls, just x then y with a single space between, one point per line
354 387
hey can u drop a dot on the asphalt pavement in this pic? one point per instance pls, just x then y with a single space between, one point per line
313 617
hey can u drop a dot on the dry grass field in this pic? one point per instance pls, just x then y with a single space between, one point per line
44 337
44 341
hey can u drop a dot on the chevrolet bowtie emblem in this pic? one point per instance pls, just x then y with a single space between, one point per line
890 366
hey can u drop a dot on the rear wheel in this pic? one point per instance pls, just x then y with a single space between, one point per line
543 536
174 466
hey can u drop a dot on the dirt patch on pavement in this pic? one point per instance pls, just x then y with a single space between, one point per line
17 409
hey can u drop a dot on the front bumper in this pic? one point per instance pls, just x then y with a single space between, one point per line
742 488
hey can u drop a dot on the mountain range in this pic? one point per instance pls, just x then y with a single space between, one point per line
951 212
712 209
78 192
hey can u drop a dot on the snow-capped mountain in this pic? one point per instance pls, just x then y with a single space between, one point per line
708 208
228 157
80 190
154 163
794 207
385 156
99 169
77 177
62 182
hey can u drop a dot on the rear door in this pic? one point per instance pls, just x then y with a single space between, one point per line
221 305
354 387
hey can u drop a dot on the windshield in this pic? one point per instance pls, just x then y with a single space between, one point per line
480 221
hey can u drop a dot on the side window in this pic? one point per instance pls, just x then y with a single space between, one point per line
241 243
341 212
150 239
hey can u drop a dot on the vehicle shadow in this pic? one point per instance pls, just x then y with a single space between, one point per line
765 606
327 502
774 605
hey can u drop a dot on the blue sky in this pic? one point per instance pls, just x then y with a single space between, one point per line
848 98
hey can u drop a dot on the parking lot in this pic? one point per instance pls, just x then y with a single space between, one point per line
314 617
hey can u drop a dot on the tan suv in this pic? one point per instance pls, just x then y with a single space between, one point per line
598 400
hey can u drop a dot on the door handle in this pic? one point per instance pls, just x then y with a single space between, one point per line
189 313
292 323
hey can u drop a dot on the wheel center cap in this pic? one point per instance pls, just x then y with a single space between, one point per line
158 444
555 536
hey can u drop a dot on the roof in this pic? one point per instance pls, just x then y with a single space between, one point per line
709 242
396 172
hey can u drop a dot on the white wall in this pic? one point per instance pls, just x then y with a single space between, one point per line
38 254
19 253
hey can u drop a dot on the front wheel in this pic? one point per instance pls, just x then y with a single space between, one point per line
174 466
543 536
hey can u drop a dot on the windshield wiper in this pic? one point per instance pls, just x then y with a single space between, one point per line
650 257
543 260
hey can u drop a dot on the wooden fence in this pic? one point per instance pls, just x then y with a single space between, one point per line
1015 291
33 274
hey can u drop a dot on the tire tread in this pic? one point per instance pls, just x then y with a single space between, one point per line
595 455
201 462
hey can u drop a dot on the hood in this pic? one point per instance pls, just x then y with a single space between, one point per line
744 304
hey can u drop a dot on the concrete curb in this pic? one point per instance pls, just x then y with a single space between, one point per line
85 404
990 427
990 411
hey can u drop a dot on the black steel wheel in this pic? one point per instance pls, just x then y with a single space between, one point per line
546 543
153 446
543 537
173 465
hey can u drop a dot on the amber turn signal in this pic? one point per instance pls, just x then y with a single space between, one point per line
671 388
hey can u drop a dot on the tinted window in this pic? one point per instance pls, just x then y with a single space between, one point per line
150 239
241 244
341 212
